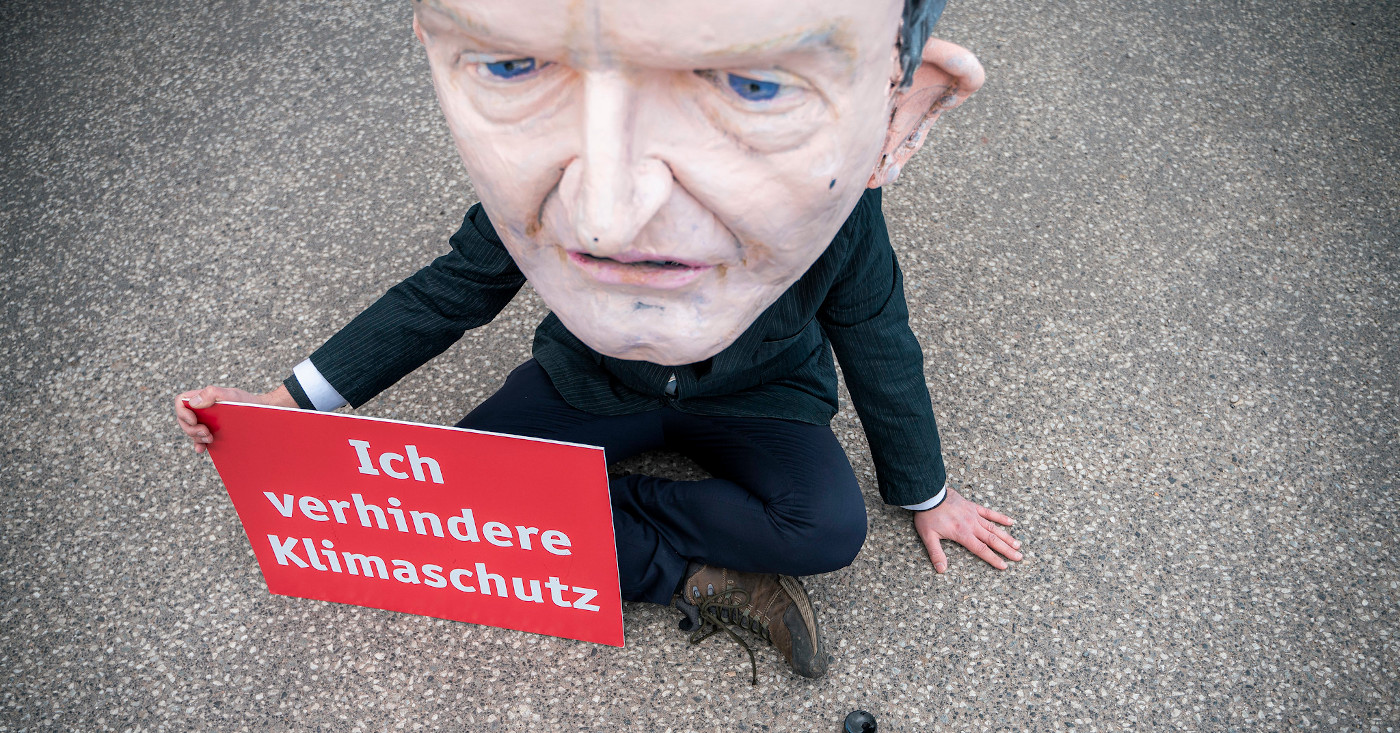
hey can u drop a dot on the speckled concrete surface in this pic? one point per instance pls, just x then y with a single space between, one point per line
1153 263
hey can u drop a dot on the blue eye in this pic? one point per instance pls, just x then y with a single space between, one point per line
754 90
511 68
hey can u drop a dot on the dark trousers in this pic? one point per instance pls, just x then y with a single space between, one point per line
783 498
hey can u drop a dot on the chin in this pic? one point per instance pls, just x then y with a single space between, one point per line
670 339
668 349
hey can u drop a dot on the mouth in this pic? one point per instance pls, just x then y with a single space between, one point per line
639 270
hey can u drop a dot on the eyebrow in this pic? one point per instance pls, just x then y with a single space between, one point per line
462 20
831 38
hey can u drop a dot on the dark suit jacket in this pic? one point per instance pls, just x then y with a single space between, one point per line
850 300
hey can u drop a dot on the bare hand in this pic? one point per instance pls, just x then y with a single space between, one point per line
969 525
197 432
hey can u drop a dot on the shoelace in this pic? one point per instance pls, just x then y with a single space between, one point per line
718 612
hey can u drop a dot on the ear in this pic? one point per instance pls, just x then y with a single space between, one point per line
947 74
418 30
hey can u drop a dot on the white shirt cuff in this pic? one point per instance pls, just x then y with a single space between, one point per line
322 395
931 503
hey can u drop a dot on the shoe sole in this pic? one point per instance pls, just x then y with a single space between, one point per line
803 604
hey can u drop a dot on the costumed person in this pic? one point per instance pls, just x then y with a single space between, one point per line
694 191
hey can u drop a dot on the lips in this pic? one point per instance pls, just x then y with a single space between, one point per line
641 270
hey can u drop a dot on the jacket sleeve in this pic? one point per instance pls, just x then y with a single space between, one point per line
420 317
867 320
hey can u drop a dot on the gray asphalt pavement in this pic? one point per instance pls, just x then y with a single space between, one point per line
1153 264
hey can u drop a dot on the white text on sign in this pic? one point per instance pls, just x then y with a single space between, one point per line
434 576
416 463
462 527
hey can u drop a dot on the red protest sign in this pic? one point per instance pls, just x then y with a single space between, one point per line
443 522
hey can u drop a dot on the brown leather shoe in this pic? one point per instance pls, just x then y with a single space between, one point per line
773 607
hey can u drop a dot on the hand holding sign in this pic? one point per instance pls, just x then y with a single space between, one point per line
197 432
456 524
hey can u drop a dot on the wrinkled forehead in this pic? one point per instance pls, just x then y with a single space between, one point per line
679 34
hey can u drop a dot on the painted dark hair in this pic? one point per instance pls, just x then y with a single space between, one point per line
919 19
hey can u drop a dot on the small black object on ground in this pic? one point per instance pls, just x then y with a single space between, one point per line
859 721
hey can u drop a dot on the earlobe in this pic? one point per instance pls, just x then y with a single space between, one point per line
418 30
947 75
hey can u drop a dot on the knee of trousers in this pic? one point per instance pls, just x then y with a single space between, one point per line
828 542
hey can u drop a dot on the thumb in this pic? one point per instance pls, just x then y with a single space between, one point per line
208 396
935 553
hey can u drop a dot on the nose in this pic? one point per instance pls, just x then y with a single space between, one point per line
613 188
